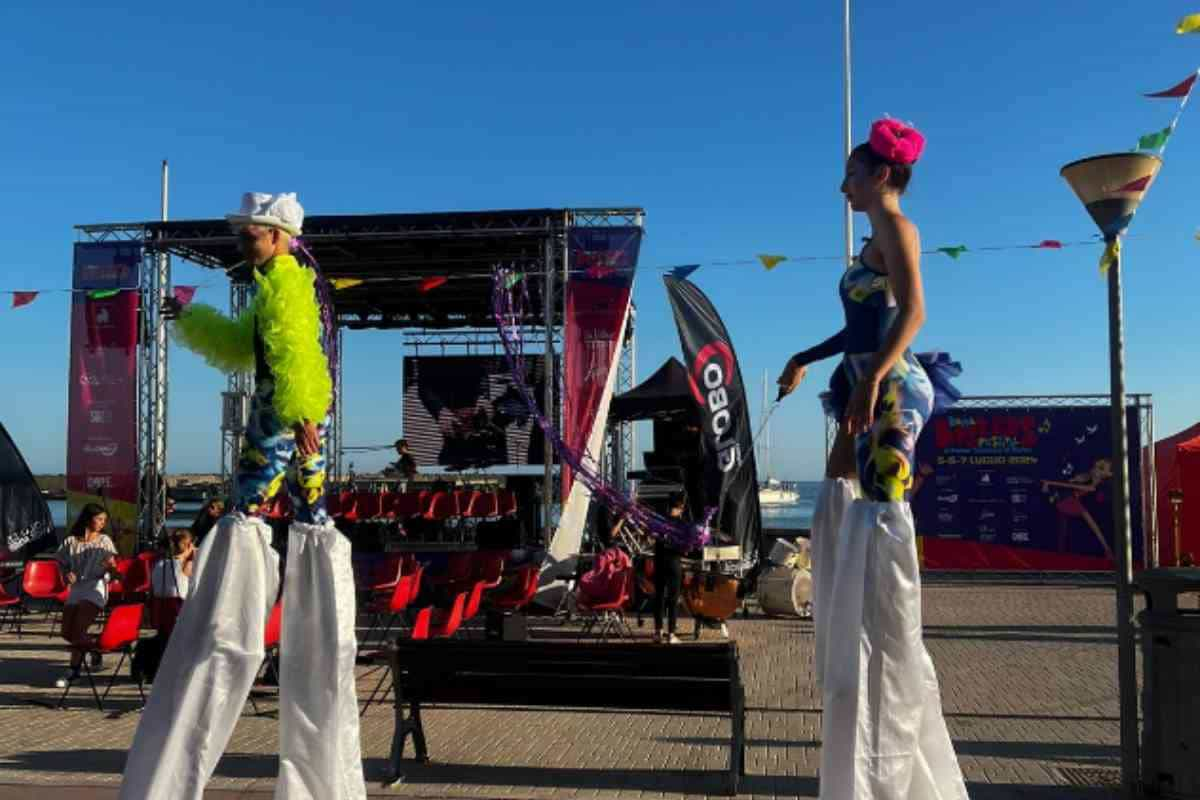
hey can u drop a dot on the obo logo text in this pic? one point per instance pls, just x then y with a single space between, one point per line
712 372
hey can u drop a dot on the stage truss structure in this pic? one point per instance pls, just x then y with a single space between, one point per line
1143 403
395 251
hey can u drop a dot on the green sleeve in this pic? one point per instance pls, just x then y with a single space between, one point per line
289 321
227 344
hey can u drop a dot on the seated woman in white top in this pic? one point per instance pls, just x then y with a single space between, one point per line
88 559
171 577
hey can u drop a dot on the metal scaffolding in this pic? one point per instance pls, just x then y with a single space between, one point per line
391 253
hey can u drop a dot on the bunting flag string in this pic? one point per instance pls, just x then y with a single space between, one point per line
1181 91
1189 24
23 297
186 293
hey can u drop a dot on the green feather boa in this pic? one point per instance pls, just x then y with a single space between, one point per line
289 322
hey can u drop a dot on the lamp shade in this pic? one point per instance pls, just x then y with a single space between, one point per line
1111 187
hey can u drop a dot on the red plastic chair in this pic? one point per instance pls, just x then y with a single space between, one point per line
347 502
424 498
386 573
462 499
522 592
11 606
473 506
417 575
43 580
393 605
406 504
333 504
441 507
489 567
608 612
120 632
271 636
446 624
489 505
474 600
368 506
508 503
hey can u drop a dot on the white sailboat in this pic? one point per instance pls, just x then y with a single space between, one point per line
772 492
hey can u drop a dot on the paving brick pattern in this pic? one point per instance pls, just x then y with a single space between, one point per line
1028 675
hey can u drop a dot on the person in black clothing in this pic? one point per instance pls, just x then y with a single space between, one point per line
406 465
212 511
668 576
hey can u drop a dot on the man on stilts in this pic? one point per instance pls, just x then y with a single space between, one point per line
217 647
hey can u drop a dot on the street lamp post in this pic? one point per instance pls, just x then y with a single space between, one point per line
1111 187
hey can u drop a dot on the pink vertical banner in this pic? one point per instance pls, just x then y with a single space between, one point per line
102 440
602 264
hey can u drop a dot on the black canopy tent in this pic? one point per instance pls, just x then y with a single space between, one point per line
666 393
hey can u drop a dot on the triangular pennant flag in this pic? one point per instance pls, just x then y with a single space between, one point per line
1049 244
1189 24
184 294
346 283
1111 253
684 270
771 262
512 279
1154 141
1136 186
23 298
1181 89
103 294
429 284
953 252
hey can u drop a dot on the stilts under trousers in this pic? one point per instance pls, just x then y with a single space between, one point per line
882 730
217 649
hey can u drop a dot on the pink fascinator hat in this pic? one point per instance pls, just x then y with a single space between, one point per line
894 141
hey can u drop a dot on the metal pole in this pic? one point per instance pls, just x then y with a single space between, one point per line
161 283
849 213
548 393
1126 654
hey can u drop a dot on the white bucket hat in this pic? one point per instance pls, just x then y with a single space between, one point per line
281 210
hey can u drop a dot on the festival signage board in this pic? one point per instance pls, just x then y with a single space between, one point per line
602 264
102 444
715 379
1022 488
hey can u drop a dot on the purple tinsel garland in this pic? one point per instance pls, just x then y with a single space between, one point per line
509 299
325 303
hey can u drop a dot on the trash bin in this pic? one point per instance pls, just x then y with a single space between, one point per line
1171 684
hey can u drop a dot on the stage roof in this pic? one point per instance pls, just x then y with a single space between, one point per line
394 253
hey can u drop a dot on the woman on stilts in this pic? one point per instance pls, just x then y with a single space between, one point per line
883 733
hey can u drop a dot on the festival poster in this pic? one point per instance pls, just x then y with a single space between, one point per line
102 446
602 263
1022 488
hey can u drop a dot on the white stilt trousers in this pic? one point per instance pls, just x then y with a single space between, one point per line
217 648
319 750
883 733
833 499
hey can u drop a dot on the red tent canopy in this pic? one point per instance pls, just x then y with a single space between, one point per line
1187 467
1168 478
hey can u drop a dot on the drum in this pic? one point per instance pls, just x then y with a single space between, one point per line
783 591
712 597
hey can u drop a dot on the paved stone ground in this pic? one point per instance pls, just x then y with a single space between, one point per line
1027 673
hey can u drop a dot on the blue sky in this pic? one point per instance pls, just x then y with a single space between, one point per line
722 120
